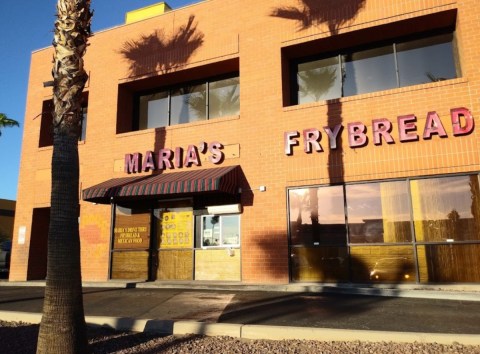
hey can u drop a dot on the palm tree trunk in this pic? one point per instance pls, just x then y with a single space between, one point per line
63 328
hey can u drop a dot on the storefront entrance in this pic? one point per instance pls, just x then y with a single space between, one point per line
172 240
174 226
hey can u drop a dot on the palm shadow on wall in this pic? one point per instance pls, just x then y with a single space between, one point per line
157 52
335 14
155 61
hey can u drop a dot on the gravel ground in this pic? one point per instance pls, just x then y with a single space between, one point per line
21 338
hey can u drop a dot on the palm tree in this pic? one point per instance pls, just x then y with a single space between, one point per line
63 329
7 122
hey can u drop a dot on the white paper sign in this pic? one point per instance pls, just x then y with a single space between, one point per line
21 235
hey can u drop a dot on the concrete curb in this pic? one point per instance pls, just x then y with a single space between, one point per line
167 327
208 329
327 334
27 317
446 292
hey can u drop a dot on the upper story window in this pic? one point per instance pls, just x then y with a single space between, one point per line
46 125
371 68
179 96
189 103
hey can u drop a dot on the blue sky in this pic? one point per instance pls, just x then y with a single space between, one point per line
26 26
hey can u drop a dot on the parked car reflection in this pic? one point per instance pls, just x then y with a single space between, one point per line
393 269
5 249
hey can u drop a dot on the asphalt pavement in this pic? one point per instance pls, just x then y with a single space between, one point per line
265 313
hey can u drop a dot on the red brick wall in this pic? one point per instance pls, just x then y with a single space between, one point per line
246 30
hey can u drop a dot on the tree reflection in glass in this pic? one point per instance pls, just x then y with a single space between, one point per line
319 80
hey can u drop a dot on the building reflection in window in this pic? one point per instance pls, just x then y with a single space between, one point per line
442 212
378 212
317 216
446 209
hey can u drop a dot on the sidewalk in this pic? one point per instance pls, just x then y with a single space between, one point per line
293 311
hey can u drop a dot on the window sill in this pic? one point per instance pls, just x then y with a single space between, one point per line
395 91
178 126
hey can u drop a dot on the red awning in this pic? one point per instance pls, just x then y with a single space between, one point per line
222 179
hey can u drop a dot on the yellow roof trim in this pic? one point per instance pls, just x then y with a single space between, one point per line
147 12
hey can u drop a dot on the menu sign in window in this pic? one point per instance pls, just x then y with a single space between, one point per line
176 229
131 237
132 229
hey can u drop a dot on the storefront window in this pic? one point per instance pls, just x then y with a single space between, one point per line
382 264
378 212
319 264
220 230
446 209
132 228
317 216
174 227
131 242
424 230
449 263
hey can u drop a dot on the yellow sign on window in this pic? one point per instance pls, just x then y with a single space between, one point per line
176 229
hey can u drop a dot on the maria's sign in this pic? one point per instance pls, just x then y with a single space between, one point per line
176 158
380 131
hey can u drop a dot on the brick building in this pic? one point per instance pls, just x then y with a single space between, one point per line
270 142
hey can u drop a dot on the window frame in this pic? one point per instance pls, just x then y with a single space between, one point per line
171 89
294 62
221 240
45 139
414 239
414 268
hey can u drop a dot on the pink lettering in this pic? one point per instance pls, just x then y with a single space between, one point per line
165 159
406 125
356 134
217 155
458 129
332 135
191 156
381 129
289 141
178 157
132 162
433 125
311 138
148 162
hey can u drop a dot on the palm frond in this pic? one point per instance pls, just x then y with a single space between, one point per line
7 122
